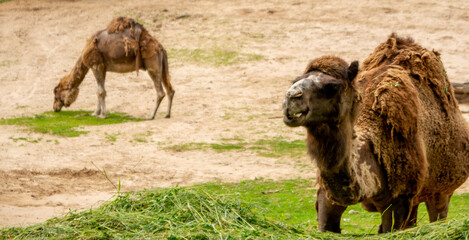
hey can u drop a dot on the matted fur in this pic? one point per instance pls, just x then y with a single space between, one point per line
119 24
401 83
90 55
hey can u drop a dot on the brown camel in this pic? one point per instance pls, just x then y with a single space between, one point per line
390 139
125 46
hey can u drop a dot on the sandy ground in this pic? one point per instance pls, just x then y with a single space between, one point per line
40 41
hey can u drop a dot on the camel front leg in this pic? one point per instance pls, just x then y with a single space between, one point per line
438 207
413 217
396 216
100 76
159 92
329 214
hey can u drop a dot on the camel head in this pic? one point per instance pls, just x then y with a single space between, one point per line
324 94
64 96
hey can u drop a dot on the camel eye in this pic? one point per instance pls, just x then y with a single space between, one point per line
331 89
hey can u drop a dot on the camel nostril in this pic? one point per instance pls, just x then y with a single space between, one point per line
295 93
298 94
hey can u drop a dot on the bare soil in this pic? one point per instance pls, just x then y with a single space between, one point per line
40 41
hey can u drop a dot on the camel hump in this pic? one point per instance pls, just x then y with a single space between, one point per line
395 99
120 24
423 65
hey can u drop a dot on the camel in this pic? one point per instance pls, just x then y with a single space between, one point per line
390 136
125 46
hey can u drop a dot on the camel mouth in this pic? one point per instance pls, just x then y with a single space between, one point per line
295 115
295 119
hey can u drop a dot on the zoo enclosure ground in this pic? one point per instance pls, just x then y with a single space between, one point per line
230 61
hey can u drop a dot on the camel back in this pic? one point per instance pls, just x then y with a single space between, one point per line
144 45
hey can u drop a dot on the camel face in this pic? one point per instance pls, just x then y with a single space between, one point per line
64 97
312 99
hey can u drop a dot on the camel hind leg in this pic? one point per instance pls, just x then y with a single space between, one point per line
169 89
157 67
100 76
159 92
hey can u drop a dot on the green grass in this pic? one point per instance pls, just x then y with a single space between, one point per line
26 139
204 146
65 123
6 63
111 137
276 147
215 56
258 209
142 137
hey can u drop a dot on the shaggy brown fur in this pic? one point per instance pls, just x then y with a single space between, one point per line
124 46
119 24
402 140
330 65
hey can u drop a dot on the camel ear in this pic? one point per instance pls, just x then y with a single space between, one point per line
352 70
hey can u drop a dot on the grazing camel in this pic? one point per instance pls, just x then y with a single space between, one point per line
390 137
125 46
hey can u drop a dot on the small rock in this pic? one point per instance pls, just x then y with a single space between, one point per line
183 16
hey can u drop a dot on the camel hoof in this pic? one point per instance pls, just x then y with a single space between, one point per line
101 116
150 117
167 116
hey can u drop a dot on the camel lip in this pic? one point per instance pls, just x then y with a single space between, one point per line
295 119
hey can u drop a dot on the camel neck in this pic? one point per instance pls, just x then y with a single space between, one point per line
331 146
76 76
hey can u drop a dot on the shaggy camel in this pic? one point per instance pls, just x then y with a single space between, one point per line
390 139
125 46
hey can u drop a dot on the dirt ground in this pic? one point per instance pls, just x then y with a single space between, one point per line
40 41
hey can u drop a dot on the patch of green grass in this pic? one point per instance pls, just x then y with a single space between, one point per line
6 63
142 137
276 147
215 56
26 139
257 209
111 137
65 123
204 146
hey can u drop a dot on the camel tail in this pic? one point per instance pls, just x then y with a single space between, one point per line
137 34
